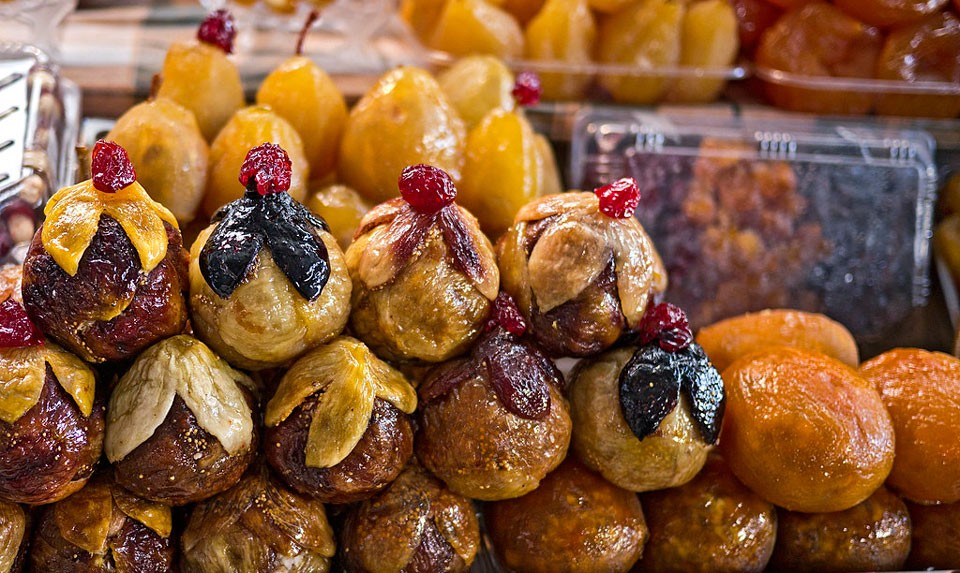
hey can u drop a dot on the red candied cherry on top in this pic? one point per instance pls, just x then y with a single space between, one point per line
506 315
619 199
526 89
111 167
266 169
426 188
668 324
16 328
218 29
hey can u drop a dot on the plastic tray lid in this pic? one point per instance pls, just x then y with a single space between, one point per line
751 214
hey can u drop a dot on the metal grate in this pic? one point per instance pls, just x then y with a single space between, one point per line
14 97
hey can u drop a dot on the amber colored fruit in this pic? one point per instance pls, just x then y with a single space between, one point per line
548 163
168 152
733 338
564 31
950 195
610 6
928 50
502 171
873 535
890 12
405 119
709 39
202 79
523 10
645 35
753 18
575 522
304 95
711 525
247 129
921 391
946 241
477 27
477 85
805 431
820 41
422 15
342 208
936 536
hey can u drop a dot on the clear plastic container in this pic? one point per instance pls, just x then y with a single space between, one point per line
750 215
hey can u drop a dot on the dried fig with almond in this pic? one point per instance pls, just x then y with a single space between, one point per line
14 537
494 424
423 252
181 425
581 268
51 425
267 279
103 528
106 274
416 524
338 427
258 526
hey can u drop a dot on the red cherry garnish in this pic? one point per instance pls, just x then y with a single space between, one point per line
668 323
426 188
619 199
16 329
505 313
111 167
218 29
526 90
269 167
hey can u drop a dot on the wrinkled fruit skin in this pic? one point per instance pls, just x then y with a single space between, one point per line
181 463
375 461
51 451
68 309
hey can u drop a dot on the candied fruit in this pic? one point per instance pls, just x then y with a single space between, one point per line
563 31
890 12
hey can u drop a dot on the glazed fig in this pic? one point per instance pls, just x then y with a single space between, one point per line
645 417
51 426
421 252
267 279
258 526
580 277
494 424
14 537
106 274
338 427
181 425
415 525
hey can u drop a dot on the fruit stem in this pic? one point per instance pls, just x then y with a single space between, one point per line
312 17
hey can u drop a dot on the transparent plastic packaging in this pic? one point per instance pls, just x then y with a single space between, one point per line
750 215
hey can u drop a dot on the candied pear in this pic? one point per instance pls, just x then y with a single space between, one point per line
503 170
477 85
523 10
304 95
645 35
405 119
199 76
342 208
610 6
563 31
169 153
710 39
477 27
422 15
247 129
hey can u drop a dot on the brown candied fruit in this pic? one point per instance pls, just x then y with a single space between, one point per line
711 524
820 42
890 12
928 50
805 431
920 390
935 543
753 19
873 535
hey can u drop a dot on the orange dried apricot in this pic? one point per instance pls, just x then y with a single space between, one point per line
921 390
805 431
730 339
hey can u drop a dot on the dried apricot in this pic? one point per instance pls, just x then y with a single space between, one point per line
733 338
805 431
921 390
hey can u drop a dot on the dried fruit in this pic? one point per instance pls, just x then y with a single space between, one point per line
16 329
619 199
505 314
218 29
526 91
270 168
427 189
111 167
668 324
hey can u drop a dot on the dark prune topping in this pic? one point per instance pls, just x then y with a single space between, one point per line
426 188
266 216
16 329
650 386
464 251
668 324
619 199
504 313
218 29
111 167
526 90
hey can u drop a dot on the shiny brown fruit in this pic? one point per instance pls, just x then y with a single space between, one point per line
14 537
936 536
887 13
